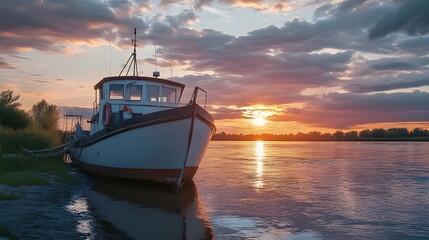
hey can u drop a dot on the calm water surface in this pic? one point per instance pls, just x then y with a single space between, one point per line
247 190
316 190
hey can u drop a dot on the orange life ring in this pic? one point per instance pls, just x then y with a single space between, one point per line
107 114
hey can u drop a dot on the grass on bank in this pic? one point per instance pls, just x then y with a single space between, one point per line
28 171
24 170
12 141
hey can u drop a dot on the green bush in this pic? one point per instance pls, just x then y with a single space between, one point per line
31 138
14 118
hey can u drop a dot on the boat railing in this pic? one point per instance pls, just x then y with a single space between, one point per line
194 97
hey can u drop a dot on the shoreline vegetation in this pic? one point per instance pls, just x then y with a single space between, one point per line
36 129
376 134
19 129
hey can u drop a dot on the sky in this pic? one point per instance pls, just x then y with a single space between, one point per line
276 66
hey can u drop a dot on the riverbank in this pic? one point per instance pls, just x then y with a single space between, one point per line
24 176
21 174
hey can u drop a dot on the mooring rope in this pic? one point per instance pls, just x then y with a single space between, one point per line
50 152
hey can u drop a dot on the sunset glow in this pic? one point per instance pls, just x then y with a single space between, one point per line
259 121
259 114
268 67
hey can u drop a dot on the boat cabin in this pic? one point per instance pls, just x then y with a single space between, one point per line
121 98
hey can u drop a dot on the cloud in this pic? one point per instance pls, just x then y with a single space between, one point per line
386 65
270 65
50 25
389 73
43 81
255 4
411 17
184 18
343 111
387 83
5 65
416 45
168 2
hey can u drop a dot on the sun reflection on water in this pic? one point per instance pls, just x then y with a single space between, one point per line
259 157
79 207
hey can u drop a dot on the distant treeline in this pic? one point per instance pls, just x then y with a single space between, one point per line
376 134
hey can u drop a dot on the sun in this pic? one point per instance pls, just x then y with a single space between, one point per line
259 121
258 115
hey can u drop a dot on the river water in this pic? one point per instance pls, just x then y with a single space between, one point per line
246 190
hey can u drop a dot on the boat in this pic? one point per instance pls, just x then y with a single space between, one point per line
142 211
140 129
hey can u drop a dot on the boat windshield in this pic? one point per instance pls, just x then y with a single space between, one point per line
116 92
168 95
134 92
152 93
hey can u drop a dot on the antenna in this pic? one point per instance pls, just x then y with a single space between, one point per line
171 66
110 56
133 58
156 65
156 73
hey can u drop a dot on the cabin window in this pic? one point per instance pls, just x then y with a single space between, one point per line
134 92
116 92
168 95
152 93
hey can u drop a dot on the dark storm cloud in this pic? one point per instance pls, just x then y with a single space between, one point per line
411 17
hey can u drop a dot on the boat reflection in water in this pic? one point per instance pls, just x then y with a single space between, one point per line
149 212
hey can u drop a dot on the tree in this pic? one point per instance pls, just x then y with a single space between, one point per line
398 132
314 135
10 115
14 118
378 133
7 99
45 115
366 133
420 132
338 135
351 135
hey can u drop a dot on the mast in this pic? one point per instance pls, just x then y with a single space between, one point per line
132 60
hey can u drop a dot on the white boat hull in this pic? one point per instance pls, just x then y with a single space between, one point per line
165 152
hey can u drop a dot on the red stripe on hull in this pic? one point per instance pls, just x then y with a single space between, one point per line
167 176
